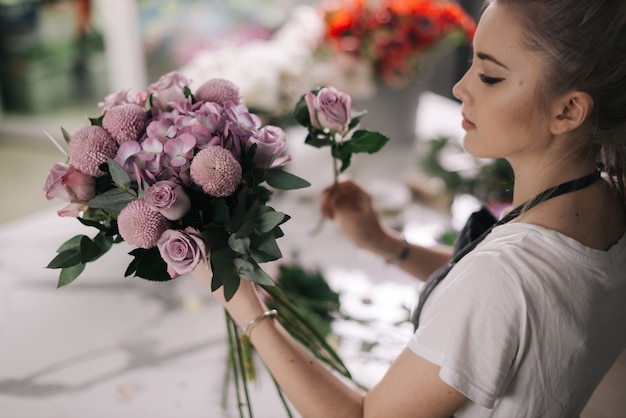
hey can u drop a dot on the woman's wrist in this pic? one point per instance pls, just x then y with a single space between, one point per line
402 254
391 247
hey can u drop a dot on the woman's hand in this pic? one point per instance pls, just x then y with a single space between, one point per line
243 306
351 206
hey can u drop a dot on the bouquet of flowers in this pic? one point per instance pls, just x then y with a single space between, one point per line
394 35
182 177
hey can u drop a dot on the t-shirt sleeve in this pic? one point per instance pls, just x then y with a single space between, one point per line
471 328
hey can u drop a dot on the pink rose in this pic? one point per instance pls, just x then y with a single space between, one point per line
330 109
66 183
168 198
271 143
169 88
181 250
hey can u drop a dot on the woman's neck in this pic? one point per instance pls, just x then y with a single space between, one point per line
536 176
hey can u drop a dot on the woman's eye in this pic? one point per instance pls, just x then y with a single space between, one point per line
489 80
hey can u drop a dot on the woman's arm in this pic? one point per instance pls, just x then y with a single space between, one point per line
351 206
411 388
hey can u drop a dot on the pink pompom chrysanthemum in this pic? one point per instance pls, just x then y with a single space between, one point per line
216 170
89 147
124 122
218 90
140 225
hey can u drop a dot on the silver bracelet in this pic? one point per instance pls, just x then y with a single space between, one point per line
403 253
267 314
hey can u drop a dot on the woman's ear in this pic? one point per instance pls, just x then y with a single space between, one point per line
570 111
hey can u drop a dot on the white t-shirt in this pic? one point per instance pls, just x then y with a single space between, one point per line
527 324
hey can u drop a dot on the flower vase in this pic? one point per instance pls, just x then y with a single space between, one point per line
392 111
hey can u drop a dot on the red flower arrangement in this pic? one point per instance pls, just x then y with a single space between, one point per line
394 35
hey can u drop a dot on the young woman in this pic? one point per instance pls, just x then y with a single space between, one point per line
526 320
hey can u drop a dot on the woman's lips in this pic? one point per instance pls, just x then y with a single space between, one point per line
467 125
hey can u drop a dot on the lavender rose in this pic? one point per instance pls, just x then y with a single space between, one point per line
330 109
168 198
181 250
66 183
271 142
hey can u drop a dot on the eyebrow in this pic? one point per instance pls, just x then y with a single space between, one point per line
486 57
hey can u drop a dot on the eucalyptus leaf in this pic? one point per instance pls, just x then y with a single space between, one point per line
253 272
118 174
264 248
114 200
269 220
283 180
69 274
246 228
239 245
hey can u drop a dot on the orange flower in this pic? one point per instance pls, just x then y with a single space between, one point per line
394 35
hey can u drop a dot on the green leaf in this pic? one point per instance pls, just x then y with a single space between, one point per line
67 258
246 228
366 141
224 272
231 284
118 174
269 220
356 119
239 245
96 121
149 265
301 113
72 243
113 200
92 223
264 248
69 274
66 135
91 250
283 180
252 271
318 139
188 94
221 214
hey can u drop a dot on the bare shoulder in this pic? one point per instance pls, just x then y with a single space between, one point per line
595 216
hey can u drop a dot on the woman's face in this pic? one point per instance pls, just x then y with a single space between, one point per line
501 115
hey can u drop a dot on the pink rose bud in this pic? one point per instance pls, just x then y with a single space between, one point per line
330 109
271 143
66 183
168 198
181 250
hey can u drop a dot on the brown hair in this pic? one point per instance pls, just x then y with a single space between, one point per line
584 46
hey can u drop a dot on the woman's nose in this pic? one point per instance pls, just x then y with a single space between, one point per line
459 91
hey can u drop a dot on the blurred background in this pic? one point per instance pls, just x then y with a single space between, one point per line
59 58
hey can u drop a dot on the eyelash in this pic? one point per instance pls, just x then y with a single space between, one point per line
490 81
